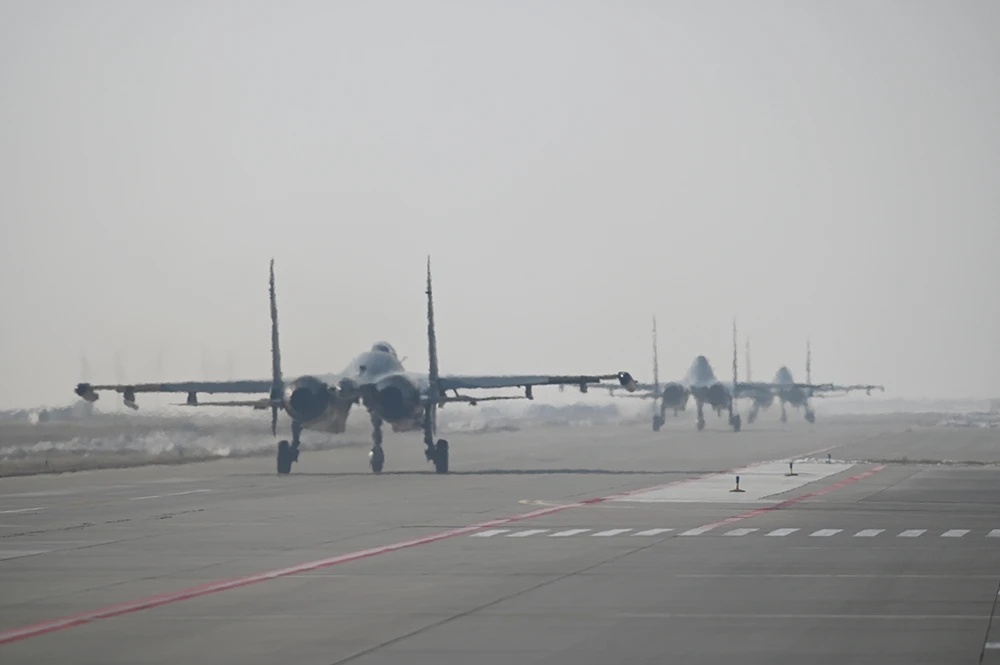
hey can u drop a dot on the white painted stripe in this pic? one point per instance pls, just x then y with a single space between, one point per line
160 496
699 530
868 533
954 533
487 534
995 533
823 533
651 532
992 645
525 533
739 532
20 510
782 532
911 533
568 532
610 532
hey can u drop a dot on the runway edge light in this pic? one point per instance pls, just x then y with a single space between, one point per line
737 489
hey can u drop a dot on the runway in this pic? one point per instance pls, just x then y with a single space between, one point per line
557 545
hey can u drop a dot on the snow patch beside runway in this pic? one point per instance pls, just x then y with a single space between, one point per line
758 482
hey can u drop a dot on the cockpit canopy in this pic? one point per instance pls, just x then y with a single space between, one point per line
384 347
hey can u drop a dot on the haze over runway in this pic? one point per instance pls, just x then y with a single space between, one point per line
821 170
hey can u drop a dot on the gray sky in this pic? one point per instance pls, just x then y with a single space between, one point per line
815 169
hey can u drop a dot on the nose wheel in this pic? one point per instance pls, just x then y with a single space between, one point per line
376 458
657 423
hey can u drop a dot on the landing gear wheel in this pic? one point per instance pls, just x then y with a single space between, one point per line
784 417
285 457
810 416
376 459
657 423
736 421
701 424
441 456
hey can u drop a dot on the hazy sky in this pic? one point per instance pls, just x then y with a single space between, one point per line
821 169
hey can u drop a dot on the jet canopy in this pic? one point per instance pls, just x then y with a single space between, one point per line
384 347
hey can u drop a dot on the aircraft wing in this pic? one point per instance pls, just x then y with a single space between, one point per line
818 390
755 388
459 382
89 391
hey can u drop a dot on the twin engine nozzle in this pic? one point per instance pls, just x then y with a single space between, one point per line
307 398
395 397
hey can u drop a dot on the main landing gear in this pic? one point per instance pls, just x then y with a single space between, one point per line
810 415
437 453
734 419
376 458
289 453
657 422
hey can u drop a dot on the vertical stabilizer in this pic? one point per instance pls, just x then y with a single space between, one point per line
808 363
433 392
656 362
735 357
277 385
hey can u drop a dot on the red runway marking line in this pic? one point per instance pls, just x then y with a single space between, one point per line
150 602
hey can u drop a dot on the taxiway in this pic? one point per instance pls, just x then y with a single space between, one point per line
561 545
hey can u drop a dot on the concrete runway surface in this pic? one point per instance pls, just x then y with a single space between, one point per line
565 545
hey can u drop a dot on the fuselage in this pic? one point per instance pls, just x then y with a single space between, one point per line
788 391
375 379
702 383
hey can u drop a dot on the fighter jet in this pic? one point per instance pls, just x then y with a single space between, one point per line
699 382
375 379
795 394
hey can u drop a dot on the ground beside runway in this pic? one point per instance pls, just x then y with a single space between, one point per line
883 561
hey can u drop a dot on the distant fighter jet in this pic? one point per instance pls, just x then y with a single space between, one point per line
797 395
701 383
375 379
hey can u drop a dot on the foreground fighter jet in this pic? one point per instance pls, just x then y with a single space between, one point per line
795 394
375 379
